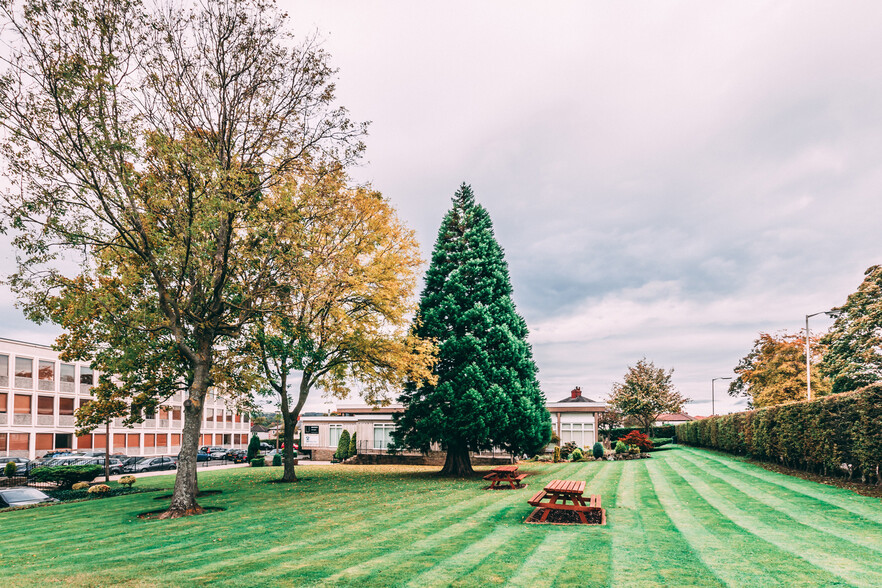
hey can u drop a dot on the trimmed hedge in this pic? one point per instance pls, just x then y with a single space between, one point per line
829 435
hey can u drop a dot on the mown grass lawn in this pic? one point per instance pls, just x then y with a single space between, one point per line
685 517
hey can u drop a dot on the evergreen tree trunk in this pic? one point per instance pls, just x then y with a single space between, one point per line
458 462
183 502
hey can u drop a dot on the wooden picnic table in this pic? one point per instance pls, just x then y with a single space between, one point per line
556 495
505 474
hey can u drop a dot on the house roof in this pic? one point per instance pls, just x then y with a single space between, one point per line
258 429
674 417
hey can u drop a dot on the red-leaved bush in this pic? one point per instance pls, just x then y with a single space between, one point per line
637 438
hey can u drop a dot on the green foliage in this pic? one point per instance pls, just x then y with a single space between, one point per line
9 469
67 476
556 455
567 448
353 446
277 459
645 393
127 481
853 356
817 436
597 450
660 441
576 455
487 394
80 486
343 446
258 462
253 447
637 439
621 447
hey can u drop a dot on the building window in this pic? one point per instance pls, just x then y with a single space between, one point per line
46 375
66 377
3 442
582 434
46 405
44 441
383 435
22 404
19 441
87 376
24 372
119 440
162 440
334 435
229 417
4 370
176 439
3 399
176 414
84 442
63 441
66 406
209 414
133 441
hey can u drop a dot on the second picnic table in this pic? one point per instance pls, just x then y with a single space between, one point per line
505 474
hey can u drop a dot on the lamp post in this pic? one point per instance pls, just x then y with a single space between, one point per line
808 355
713 409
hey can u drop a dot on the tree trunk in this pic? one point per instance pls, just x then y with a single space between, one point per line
289 420
183 502
458 462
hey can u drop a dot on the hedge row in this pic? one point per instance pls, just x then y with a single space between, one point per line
830 435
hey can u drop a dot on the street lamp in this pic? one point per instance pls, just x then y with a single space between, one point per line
713 411
808 356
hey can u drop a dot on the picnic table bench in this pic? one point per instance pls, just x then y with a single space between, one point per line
505 474
556 495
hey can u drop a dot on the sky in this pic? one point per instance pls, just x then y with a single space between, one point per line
667 179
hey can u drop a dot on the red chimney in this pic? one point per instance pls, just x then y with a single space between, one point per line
576 392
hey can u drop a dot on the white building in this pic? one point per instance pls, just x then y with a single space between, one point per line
39 394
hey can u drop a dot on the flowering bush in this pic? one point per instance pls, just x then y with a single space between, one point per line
80 486
127 481
99 489
637 439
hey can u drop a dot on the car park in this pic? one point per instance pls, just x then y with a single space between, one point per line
21 464
215 452
237 455
22 496
152 464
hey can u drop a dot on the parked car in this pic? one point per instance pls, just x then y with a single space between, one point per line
266 446
21 464
152 464
203 456
237 455
215 452
22 496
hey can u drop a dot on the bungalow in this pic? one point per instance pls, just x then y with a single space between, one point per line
672 419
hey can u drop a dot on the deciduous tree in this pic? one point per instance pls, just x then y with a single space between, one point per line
145 138
774 371
645 393
487 394
351 299
853 355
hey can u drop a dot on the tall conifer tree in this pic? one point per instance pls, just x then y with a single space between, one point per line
487 394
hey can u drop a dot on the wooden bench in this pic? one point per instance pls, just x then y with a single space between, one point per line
506 474
556 495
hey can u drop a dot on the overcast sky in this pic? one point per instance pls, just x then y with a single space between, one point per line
667 179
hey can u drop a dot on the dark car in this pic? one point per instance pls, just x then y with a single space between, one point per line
22 496
237 455
152 464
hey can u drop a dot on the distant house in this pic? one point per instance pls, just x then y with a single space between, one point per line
672 419
574 418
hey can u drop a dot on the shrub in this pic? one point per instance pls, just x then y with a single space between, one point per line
576 455
567 449
80 486
556 454
637 438
67 476
343 446
258 462
597 450
621 447
635 449
662 431
253 448
99 489
127 481
555 438
353 446
9 470
277 459
659 441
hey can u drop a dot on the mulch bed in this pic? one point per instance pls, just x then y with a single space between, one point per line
564 517
153 515
199 494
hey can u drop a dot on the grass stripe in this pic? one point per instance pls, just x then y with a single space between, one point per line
446 571
863 506
712 540
801 541
846 528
